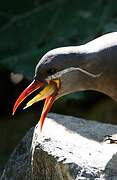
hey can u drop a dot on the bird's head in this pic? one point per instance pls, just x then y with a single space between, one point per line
55 76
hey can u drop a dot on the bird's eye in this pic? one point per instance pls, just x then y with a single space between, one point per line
51 71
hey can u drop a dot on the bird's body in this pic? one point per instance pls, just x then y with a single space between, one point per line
92 66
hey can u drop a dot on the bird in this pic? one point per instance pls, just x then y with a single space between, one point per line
64 70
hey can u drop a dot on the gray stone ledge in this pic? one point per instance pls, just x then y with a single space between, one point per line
68 148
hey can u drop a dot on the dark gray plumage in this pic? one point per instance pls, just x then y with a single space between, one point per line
92 66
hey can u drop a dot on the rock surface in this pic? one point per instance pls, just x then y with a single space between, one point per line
68 148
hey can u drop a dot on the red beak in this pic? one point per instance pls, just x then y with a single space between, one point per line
47 105
49 93
30 89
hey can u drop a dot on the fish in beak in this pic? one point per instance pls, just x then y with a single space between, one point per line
49 93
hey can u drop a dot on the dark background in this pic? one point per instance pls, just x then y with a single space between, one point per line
28 29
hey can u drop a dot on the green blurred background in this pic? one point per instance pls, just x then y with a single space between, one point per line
28 29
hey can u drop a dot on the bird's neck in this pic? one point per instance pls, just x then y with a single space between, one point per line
102 63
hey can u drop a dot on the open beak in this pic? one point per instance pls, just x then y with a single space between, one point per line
48 93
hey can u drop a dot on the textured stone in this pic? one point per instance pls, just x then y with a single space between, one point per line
19 164
68 148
